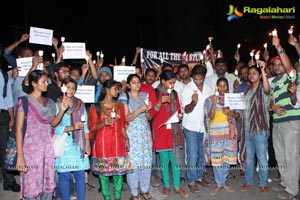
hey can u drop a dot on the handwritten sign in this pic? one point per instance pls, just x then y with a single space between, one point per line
40 36
86 93
121 72
235 101
74 50
25 64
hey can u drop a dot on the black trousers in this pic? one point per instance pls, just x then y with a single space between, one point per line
8 177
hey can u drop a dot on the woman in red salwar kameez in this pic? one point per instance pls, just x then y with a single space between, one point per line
107 125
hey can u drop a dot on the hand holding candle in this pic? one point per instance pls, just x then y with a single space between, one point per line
236 73
266 46
217 92
101 55
291 30
238 47
274 33
210 39
252 54
64 90
169 90
82 118
112 116
41 53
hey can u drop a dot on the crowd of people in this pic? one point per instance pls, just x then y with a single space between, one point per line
126 136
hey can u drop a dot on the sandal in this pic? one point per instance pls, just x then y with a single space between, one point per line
145 195
89 187
215 191
228 188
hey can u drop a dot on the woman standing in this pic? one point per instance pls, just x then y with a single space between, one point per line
255 129
107 122
35 153
77 147
222 135
167 137
137 107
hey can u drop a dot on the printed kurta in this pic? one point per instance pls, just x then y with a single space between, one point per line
109 156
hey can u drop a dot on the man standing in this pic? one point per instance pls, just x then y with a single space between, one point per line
284 103
192 98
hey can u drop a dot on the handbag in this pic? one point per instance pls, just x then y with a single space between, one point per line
11 156
59 142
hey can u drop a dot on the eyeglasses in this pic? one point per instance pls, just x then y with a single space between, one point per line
64 71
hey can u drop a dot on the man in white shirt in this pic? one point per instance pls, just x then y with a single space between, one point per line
192 98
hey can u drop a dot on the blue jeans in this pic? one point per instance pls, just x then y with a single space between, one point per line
155 171
139 179
57 190
220 173
64 184
257 144
195 155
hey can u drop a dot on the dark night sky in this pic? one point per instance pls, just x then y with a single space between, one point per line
117 27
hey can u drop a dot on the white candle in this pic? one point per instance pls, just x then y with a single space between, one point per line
64 88
87 59
98 53
217 92
257 55
210 39
236 72
147 100
169 90
274 32
53 55
113 113
41 53
238 46
292 74
266 46
252 54
62 39
291 30
101 55
207 47
123 60
82 118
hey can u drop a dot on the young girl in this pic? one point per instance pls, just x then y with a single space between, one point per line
167 137
255 129
222 135
107 122
35 153
77 148
137 107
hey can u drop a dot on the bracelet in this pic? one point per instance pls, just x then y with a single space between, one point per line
281 51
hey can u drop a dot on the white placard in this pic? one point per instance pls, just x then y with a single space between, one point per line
74 50
25 64
40 36
121 72
173 119
235 101
86 93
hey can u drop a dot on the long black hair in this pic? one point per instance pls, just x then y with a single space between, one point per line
35 76
107 85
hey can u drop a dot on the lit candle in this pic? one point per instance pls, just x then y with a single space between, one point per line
266 46
207 47
252 54
161 61
292 75
64 90
274 32
291 30
147 100
101 55
210 39
169 90
53 55
82 118
195 89
62 39
201 57
97 54
113 113
41 53
94 62
236 72
123 60
142 61
238 47
257 55
87 59
217 92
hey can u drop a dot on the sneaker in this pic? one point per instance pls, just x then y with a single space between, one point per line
155 182
194 188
